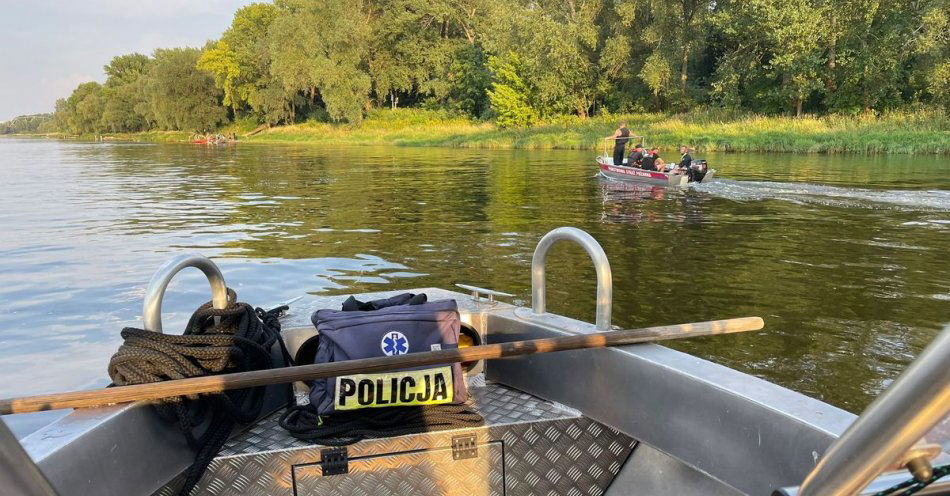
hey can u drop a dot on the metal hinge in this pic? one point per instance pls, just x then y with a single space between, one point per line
334 461
464 447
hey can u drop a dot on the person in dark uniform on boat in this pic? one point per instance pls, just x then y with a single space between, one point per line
685 166
652 162
620 136
636 156
686 159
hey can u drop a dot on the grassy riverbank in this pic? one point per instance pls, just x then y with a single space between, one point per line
923 133
896 133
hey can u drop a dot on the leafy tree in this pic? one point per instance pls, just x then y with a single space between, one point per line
511 96
523 61
180 95
414 45
674 32
657 74
320 47
221 62
932 45
776 53
119 108
123 97
240 63
469 80
83 108
125 69
60 120
557 47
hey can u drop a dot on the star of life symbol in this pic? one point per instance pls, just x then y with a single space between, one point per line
394 343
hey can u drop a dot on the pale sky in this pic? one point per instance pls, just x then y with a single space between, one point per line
47 47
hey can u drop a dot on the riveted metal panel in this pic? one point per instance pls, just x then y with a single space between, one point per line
545 450
418 472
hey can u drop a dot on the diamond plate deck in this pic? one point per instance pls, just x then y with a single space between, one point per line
410 473
545 449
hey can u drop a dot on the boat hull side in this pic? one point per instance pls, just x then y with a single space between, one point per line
748 433
624 173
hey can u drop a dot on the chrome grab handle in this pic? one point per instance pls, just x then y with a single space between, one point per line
152 308
889 427
601 265
477 292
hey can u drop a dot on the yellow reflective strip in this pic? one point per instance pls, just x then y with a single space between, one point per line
407 388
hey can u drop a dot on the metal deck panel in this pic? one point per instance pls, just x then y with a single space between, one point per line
547 450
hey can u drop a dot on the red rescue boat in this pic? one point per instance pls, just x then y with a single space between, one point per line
666 178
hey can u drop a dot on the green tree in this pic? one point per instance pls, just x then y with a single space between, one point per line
123 97
469 80
119 108
416 47
775 53
932 46
240 64
83 109
510 95
674 31
125 69
867 55
180 95
320 47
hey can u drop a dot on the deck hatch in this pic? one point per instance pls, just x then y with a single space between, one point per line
425 471
527 447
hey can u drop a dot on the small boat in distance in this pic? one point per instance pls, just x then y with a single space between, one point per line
214 139
666 178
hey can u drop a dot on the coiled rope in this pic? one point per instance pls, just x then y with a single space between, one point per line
912 486
344 428
235 339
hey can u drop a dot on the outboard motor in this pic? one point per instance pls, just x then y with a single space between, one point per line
697 170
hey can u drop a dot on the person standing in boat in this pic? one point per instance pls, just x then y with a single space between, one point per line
636 156
620 136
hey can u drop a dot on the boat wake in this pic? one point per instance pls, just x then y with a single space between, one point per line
805 193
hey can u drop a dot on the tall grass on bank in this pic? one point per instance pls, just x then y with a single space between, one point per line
898 132
925 132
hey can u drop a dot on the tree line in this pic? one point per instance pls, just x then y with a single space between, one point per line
520 62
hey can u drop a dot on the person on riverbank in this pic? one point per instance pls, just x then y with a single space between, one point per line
636 156
620 137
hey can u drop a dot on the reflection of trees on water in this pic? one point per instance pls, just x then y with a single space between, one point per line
846 293
628 202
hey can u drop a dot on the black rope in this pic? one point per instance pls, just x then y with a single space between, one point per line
344 428
912 486
235 339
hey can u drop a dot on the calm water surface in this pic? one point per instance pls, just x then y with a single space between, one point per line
846 258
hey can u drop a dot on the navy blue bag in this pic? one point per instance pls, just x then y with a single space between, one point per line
397 329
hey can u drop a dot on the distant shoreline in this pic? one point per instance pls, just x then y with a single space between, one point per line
897 133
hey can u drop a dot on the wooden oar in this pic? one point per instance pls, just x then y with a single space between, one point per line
238 380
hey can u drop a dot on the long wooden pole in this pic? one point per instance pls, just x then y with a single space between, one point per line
217 383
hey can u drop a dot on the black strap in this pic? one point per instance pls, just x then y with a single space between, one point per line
344 428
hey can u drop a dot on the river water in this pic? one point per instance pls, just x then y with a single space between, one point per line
845 257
